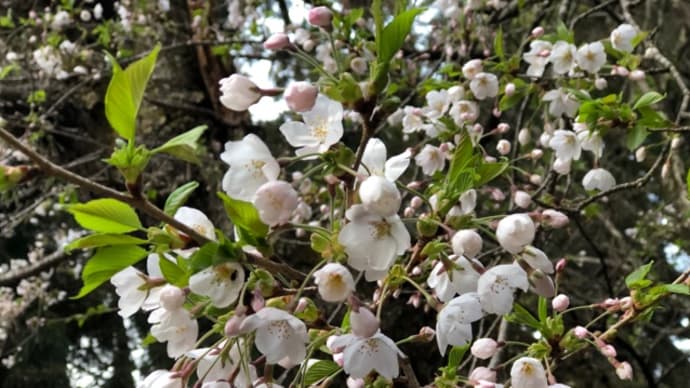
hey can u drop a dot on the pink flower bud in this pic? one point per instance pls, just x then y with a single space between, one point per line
416 270
524 136
320 17
636 75
277 41
560 302
510 89
522 199
503 147
542 284
238 92
600 83
232 327
301 96
611 303
484 348
622 71
496 112
489 159
608 351
560 265
536 154
339 358
354 382
580 332
503 127
538 32
444 147
363 322
171 297
427 333
626 303
415 300
536 179
301 305
554 218
482 373
258 301
409 212
416 202
624 371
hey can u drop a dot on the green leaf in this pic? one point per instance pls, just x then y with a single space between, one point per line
682 289
637 278
244 215
173 273
498 43
184 146
489 171
520 315
543 313
319 371
99 240
394 34
107 262
204 257
125 92
636 137
178 197
647 99
456 355
106 215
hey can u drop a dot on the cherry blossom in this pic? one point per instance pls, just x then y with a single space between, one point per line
430 159
484 85
562 57
591 57
278 335
466 242
131 286
598 179
515 231
238 92
275 201
447 282
566 144
197 220
173 324
214 366
222 283
484 348
437 104
372 242
374 161
497 285
301 96
162 378
528 372
251 165
380 196
454 322
537 57
335 282
322 127
365 354
622 37
562 102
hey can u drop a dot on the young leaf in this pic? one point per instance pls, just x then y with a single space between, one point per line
636 137
456 355
125 92
244 215
184 146
498 43
319 371
173 273
682 289
637 278
204 257
106 215
543 312
178 197
647 99
394 34
107 262
99 240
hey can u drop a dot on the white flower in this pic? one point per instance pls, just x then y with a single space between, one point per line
455 93
496 287
562 57
380 196
484 85
278 335
412 120
212 367
98 11
238 92
472 68
374 161
591 141
430 159
61 20
437 104
598 179
251 165
591 57
176 327
47 59
561 102
537 57
527 373
622 37
522 199
562 166
363 322
466 242
468 201
322 127
447 282
129 286
372 242
335 282
454 322
484 348
515 231
196 220
161 378
275 201
566 144
537 259
464 112
364 354
221 283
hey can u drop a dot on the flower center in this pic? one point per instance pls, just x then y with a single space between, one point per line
256 166
224 272
320 132
280 329
335 281
381 229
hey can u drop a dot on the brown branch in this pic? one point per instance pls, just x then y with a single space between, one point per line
14 277
670 129
406 367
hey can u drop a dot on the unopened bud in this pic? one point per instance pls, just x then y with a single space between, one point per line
626 303
536 179
666 169
427 333
600 83
624 371
554 218
608 351
524 136
560 303
301 96
484 348
560 265
580 332
536 153
409 212
522 199
537 32
232 327
320 17
641 154
636 75
363 322
503 147
542 284
301 305
277 41
510 89
676 142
